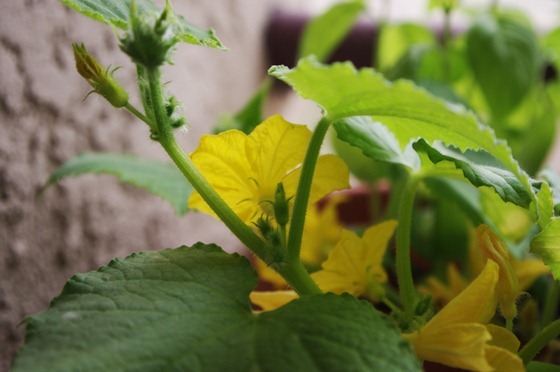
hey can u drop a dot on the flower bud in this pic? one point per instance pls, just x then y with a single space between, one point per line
493 248
99 78
151 37
281 206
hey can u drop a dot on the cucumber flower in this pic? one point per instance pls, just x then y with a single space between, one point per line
245 170
525 270
354 265
460 336
493 248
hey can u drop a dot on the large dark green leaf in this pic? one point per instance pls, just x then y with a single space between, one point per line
188 310
162 179
406 110
504 56
117 13
323 34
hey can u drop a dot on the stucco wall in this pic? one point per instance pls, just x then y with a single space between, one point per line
84 222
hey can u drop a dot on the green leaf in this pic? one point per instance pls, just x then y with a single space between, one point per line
323 34
375 141
481 169
187 309
117 13
406 110
503 54
546 245
161 179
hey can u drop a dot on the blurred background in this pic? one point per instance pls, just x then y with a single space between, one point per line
82 223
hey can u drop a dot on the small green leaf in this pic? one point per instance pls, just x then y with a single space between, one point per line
406 110
188 309
323 34
375 140
504 56
117 13
161 179
546 245
481 169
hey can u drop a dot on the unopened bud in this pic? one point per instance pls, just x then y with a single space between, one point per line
281 206
99 78
507 289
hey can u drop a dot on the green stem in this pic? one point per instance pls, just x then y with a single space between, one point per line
532 348
551 303
298 278
197 180
304 189
403 265
133 110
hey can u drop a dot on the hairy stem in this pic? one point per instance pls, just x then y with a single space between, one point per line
537 343
294 272
191 173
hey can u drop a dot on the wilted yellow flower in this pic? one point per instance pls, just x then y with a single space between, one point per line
99 78
245 170
496 250
459 336
526 270
355 264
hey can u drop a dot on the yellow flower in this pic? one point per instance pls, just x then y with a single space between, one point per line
458 336
246 169
493 248
355 264
526 271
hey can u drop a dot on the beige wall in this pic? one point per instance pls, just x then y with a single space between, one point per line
86 221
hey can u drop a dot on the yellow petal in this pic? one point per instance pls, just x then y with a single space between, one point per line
455 345
321 232
355 265
272 300
503 360
342 271
476 304
274 148
331 174
376 239
503 338
508 285
223 161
